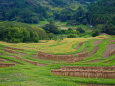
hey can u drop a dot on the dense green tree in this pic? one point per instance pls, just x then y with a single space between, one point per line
71 36
80 30
51 36
20 32
95 33
51 28
109 29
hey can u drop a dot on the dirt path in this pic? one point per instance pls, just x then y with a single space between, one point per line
85 49
79 45
108 50
97 42
93 51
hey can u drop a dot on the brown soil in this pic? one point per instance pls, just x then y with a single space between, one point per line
85 73
84 54
108 50
48 56
79 45
41 64
69 58
85 49
64 28
2 65
97 42
34 56
80 56
93 51
14 48
2 60
111 41
104 34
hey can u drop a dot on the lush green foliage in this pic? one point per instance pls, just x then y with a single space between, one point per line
33 11
95 33
51 28
20 32
102 13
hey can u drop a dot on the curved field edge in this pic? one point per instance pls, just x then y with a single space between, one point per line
29 74
99 54
63 47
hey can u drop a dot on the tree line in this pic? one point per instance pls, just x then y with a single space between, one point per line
20 32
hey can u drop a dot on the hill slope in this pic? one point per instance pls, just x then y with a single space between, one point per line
32 11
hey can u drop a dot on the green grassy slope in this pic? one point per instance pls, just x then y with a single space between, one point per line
31 75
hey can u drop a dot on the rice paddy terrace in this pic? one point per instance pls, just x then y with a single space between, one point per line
68 62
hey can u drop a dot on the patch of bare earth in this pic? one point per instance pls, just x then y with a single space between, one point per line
64 28
85 49
97 42
109 50
2 65
2 60
41 64
104 34
111 41
14 48
80 56
93 51
85 54
79 45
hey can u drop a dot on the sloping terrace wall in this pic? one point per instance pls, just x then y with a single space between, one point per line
48 56
85 73
86 68
2 65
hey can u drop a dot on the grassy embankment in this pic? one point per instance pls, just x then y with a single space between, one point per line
30 75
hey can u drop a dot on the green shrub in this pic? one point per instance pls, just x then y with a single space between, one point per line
95 33
71 36
19 32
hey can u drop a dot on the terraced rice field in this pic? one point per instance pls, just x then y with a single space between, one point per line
69 62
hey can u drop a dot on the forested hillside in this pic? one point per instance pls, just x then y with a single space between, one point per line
100 14
20 32
33 11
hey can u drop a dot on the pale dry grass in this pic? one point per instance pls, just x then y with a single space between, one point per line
63 46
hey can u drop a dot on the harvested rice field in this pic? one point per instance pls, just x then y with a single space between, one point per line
68 62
